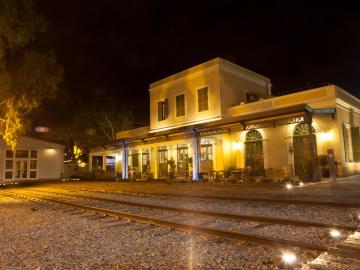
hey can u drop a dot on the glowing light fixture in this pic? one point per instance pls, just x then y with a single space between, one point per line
50 151
288 257
118 157
237 145
325 136
301 184
289 186
335 233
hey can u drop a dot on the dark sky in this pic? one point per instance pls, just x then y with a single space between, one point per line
123 46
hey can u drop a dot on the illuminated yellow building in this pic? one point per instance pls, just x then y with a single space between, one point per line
218 119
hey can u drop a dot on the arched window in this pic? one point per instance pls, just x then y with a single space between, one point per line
163 161
253 135
303 129
304 151
207 154
254 152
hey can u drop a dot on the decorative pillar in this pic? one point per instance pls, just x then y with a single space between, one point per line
125 158
196 155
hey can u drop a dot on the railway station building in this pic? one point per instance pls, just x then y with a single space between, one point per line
219 120
33 159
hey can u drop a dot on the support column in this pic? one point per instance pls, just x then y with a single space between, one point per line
313 150
104 162
125 160
153 161
196 155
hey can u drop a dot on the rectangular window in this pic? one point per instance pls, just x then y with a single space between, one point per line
346 142
145 160
163 109
8 175
33 153
203 99
22 153
180 105
33 164
9 153
355 137
9 164
97 163
110 164
33 174
135 160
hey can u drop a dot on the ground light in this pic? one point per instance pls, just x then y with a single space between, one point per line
301 184
288 258
335 233
288 186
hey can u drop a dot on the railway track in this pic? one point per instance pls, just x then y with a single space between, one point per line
236 217
193 228
344 253
226 198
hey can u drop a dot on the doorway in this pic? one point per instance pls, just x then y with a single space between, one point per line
305 152
254 153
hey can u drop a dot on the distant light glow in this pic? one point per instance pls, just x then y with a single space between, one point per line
289 186
301 184
42 129
82 164
335 233
288 257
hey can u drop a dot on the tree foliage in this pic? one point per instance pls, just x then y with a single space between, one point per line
96 124
27 77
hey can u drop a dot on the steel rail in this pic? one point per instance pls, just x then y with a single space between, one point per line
240 199
282 221
217 233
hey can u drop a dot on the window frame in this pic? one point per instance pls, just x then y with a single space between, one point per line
176 113
14 159
208 98
164 113
346 128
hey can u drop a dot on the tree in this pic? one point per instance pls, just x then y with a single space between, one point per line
27 77
96 124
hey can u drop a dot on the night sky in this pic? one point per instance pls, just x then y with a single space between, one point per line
123 46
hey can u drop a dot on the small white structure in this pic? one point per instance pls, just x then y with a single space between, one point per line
33 159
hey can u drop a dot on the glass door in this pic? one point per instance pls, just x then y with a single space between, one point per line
21 169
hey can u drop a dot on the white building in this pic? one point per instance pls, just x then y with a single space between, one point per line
33 159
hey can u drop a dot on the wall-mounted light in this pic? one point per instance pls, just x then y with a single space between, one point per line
238 145
118 157
325 136
50 151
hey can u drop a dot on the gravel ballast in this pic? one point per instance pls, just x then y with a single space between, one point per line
40 236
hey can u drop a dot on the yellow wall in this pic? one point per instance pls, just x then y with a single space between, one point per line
188 86
226 82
